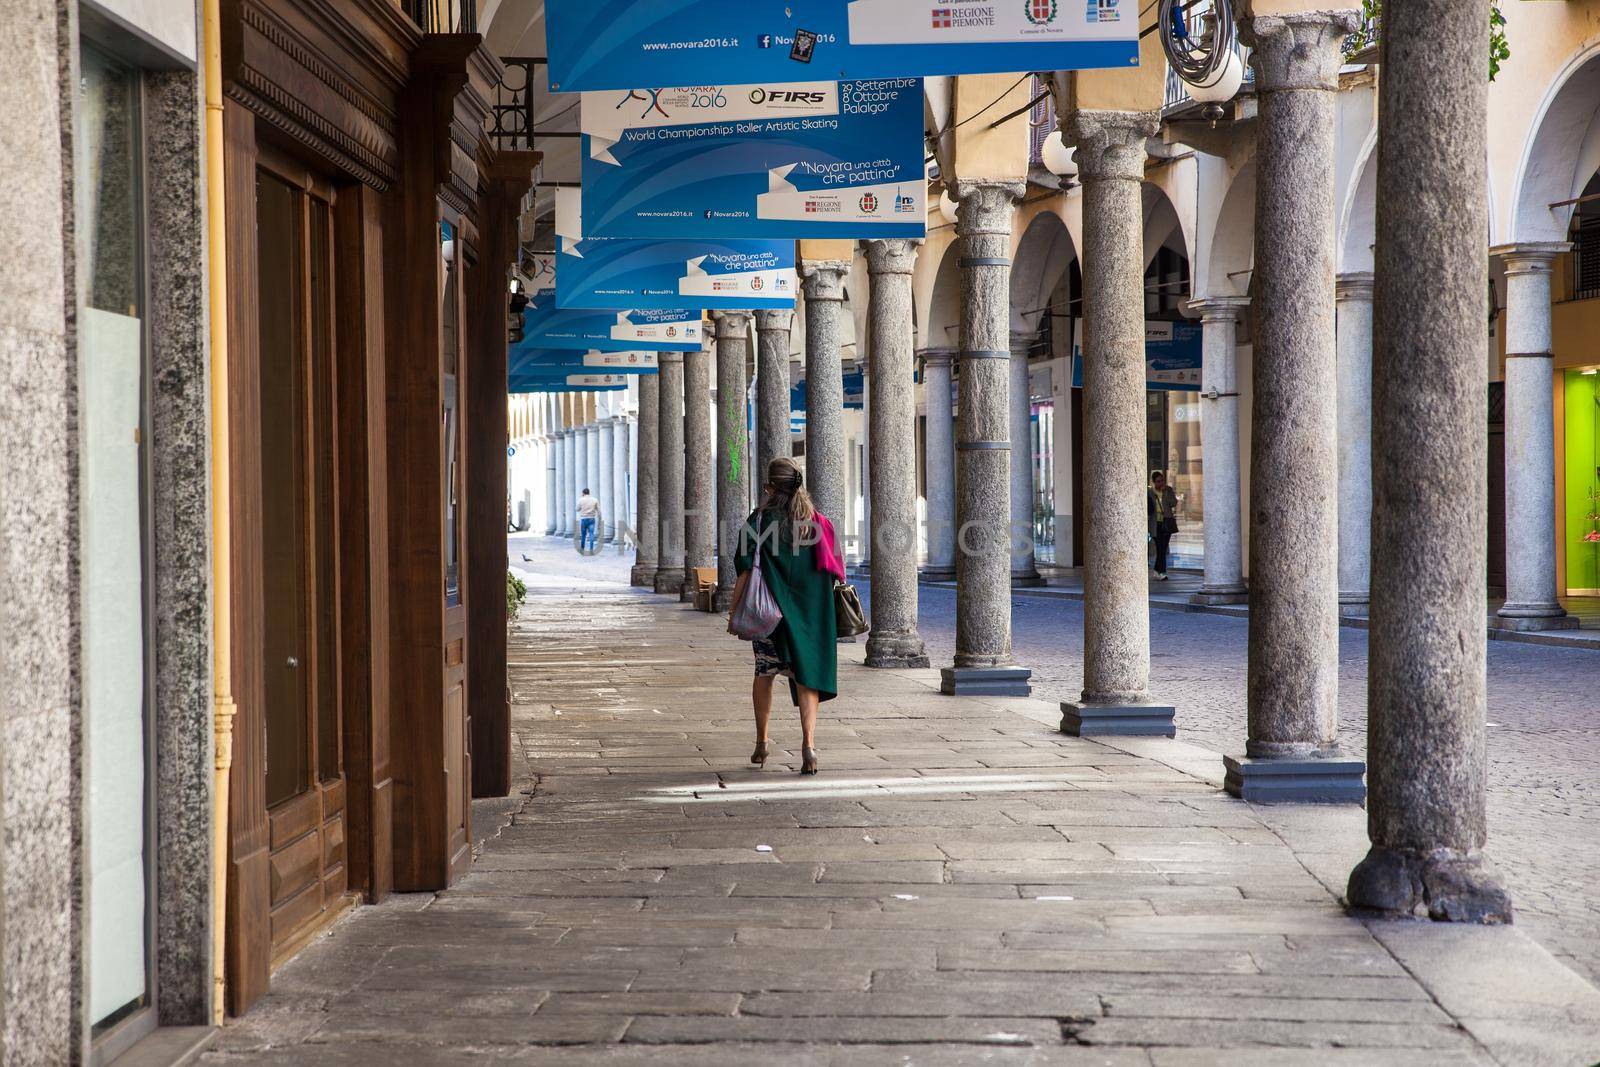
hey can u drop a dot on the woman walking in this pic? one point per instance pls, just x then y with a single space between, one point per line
799 564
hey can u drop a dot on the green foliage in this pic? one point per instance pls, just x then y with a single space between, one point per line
1372 13
516 593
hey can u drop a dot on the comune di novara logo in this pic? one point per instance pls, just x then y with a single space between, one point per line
1040 12
869 203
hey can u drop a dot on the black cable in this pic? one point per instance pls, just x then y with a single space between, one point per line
987 106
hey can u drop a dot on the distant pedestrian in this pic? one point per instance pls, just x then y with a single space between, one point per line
1161 512
800 562
588 521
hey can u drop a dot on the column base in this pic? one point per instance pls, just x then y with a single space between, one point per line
1084 719
1354 608
1217 595
985 681
722 601
896 650
643 575
937 573
1296 779
1026 579
1443 885
669 582
1527 618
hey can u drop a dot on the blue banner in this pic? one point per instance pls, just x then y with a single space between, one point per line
532 362
814 159
683 274
628 44
1173 354
641 330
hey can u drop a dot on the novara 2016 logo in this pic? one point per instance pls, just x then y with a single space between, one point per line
1040 12
869 203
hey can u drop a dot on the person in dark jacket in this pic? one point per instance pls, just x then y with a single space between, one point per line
799 563
1161 512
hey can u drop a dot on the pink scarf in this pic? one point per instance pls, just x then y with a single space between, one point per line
829 560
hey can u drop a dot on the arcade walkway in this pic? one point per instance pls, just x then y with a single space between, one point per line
962 884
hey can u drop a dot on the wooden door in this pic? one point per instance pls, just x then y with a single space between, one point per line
300 655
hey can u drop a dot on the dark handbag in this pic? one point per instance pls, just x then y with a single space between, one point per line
757 614
848 617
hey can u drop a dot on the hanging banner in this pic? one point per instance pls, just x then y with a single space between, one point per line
1172 353
812 159
683 274
634 362
528 362
546 326
541 267
628 44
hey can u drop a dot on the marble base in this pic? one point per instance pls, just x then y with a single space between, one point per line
985 681
937 574
669 583
1021 580
1327 780
643 576
1214 596
1534 623
1118 720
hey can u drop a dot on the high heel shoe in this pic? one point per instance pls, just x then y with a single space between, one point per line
759 756
808 761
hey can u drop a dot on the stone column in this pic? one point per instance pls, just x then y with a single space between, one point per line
827 476
1023 570
983 663
558 483
591 459
623 522
577 471
1219 427
647 484
1353 335
939 444
733 446
1425 675
699 484
1531 592
552 463
864 549
1292 752
669 512
1116 579
893 640
772 389
608 499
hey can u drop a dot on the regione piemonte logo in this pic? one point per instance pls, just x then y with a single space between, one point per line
1040 12
941 18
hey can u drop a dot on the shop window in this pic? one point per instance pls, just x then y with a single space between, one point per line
114 560
1582 489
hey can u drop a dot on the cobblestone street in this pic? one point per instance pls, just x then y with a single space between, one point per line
1544 738
962 884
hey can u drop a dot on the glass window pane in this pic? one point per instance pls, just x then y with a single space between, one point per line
111 413
283 522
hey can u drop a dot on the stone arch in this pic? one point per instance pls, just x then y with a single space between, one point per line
1233 238
1358 218
1043 256
1562 152
1163 227
944 310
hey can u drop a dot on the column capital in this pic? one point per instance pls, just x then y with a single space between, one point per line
1218 308
1111 144
891 255
986 204
731 325
1303 50
774 320
823 279
1354 285
1021 345
938 357
1530 257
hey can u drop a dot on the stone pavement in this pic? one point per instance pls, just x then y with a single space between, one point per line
961 884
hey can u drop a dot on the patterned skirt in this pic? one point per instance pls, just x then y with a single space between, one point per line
769 661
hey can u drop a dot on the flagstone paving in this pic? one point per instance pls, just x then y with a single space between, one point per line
962 884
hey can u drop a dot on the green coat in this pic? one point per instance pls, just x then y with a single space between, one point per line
808 635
